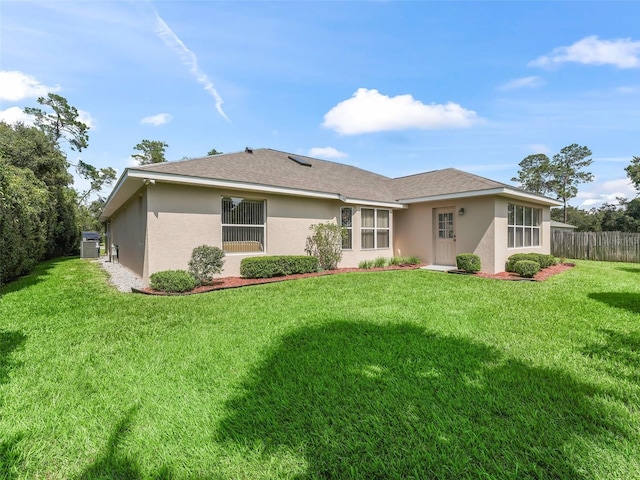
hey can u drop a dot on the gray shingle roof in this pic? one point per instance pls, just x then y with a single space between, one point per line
274 168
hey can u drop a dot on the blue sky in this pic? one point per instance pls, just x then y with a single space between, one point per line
393 87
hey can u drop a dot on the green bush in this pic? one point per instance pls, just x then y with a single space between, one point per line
516 257
380 262
326 244
366 264
172 281
526 268
276 266
206 261
540 258
546 261
411 260
469 262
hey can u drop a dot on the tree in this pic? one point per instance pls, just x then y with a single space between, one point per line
534 174
24 212
633 172
152 151
31 149
566 173
98 179
62 123
213 151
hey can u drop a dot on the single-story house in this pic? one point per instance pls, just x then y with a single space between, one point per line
263 201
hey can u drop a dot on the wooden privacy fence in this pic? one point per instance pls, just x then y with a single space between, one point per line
607 246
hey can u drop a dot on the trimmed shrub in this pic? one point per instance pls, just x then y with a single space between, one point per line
469 262
526 268
516 257
540 258
380 262
325 244
172 281
277 266
546 260
366 264
206 261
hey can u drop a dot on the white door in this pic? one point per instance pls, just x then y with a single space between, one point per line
445 237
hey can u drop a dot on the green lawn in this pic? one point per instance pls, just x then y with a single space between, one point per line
401 374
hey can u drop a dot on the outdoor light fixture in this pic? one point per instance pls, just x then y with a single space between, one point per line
148 181
461 211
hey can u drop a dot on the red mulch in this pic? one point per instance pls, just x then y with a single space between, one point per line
539 277
235 282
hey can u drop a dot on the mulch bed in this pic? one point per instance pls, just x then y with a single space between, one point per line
539 277
236 282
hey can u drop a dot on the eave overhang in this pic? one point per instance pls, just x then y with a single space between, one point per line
133 180
501 191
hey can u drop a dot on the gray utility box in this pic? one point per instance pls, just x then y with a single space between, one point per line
89 249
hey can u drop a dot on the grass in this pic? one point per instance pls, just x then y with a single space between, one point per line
401 374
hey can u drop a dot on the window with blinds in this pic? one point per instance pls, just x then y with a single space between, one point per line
243 225
374 228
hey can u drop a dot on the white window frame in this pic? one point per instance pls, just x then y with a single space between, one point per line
523 226
349 228
256 226
375 229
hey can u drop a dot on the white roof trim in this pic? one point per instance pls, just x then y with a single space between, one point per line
145 175
504 191
235 185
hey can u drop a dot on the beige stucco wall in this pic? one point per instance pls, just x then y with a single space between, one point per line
128 230
179 218
481 230
416 229
502 251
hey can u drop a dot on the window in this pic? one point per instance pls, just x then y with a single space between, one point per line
374 230
346 222
523 225
243 224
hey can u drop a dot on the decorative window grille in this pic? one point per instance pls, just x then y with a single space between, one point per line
243 225
346 222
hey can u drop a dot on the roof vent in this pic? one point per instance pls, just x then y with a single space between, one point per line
248 150
299 161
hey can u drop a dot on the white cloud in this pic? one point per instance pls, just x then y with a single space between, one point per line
159 119
189 59
623 53
370 111
14 115
525 82
86 118
15 86
326 152
596 194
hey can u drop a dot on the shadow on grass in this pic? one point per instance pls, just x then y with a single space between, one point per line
629 269
370 401
620 353
38 274
10 459
628 301
112 463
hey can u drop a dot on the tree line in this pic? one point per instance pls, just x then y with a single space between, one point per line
560 176
41 214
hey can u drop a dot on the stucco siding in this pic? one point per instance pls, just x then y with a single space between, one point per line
179 218
502 250
128 230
